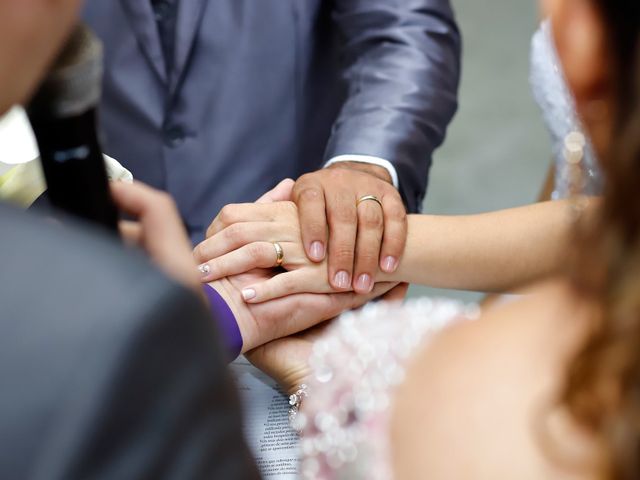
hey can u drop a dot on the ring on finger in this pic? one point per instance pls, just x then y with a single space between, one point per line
367 198
279 254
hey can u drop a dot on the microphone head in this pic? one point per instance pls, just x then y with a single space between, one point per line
74 83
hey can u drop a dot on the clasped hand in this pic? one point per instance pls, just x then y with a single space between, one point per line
278 334
362 237
300 298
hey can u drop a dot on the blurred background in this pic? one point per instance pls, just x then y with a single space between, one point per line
497 150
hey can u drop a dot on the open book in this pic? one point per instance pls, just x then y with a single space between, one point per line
266 422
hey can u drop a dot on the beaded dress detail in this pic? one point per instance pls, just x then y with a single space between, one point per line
356 368
558 110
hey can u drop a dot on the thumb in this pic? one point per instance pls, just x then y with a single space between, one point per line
281 192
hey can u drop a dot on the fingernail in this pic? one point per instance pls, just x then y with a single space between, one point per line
204 269
364 283
248 294
317 250
342 280
390 264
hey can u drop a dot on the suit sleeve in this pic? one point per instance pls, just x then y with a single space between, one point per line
402 68
167 408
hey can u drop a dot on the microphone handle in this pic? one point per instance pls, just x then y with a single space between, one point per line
74 167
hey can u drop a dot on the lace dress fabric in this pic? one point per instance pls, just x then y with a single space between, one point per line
356 367
558 109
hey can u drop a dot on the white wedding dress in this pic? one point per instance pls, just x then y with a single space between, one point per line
361 360
357 366
554 99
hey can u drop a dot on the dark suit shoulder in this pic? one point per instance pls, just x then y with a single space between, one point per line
106 365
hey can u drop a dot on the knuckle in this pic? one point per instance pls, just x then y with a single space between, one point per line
388 189
234 233
287 283
216 267
335 174
223 216
305 178
204 251
227 214
164 200
309 194
344 214
297 303
301 184
199 253
255 252
290 209
396 211
316 230
343 253
368 257
371 218
221 267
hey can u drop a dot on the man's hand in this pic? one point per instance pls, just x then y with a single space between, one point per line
359 237
264 322
158 230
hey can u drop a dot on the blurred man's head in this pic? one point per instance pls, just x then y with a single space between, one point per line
31 33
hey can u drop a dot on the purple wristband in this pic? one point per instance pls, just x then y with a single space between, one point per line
226 321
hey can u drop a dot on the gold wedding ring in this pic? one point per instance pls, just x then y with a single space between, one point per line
279 254
366 198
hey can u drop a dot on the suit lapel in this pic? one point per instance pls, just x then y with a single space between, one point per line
140 13
187 27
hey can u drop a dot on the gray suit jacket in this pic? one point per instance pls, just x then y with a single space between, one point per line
265 89
108 370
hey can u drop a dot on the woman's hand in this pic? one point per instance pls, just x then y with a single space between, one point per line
158 231
242 237
264 322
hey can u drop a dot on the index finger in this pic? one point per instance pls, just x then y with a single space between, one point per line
242 212
305 310
153 208
156 211
280 192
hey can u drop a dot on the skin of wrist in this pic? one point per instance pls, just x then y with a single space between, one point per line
375 170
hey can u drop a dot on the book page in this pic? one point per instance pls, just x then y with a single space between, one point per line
266 422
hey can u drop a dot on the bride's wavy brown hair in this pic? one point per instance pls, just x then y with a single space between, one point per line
602 391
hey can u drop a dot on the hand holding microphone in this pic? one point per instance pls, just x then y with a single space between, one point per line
63 114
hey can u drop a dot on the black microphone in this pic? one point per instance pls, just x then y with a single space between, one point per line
63 115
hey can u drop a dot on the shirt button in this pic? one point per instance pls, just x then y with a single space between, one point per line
174 136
